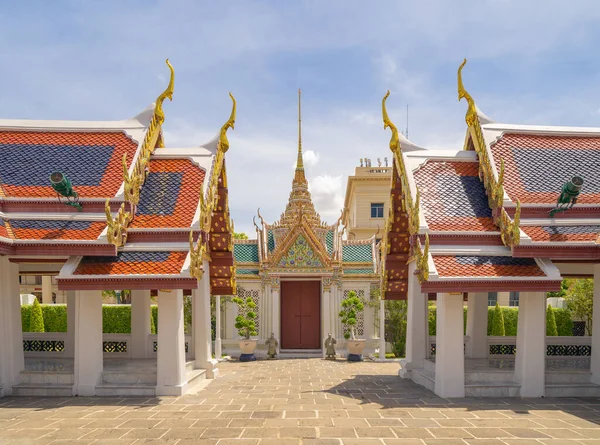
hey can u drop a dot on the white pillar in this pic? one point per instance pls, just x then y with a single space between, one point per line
47 289
12 360
416 326
477 318
449 340
275 292
201 327
218 346
88 342
140 323
70 342
170 360
382 330
530 362
595 359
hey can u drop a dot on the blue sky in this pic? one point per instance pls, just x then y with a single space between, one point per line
530 62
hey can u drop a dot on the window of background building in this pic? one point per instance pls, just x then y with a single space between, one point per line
492 298
377 210
513 299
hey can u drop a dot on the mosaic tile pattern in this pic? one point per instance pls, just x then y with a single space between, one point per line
453 198
485 266
329 241
300 255
245 253
358 271
536 166
3 231
270 241
588 233
133 263
357 253
92 161
51 230
246 271
169 197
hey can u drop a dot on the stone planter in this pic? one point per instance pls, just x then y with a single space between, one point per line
355 349
247 347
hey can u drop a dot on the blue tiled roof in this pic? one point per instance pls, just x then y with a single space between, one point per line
463 196
247 271
467 260
159 193
357 253
129 257
245 253
329 241
359 271
49 225
270 241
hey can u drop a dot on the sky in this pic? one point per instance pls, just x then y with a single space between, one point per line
529 62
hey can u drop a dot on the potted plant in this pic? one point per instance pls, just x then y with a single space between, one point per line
246 327
351 306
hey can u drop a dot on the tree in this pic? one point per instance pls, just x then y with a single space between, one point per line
580 301
562 293
350 308
239 235
36 321
498 322
244 322
551 328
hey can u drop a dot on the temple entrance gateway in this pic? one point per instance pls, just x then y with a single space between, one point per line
300 314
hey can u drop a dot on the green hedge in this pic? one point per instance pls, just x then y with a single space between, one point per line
564 323
116 319
55 317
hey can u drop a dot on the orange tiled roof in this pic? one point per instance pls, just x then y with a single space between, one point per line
3 231
133 263
56 229
91 160
169 197
586 233
485 266
453 198
537 166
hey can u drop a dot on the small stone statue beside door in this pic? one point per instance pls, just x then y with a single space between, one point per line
272 344
330 347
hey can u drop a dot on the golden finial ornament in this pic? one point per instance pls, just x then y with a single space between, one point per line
197 253
471 115
223 141
117 227
167 94
300 161
132 183
387 123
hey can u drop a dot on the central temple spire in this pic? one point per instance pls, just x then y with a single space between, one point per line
299 176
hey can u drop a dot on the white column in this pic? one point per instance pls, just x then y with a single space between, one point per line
201 327
595 359
382 330
275 292
325 317
46 289
477 318
218 346
530 362
70 342
140 323
416 326
170 360
12 360
449 339
88 342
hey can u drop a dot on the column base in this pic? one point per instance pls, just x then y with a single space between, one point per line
218 349
355 358
405 369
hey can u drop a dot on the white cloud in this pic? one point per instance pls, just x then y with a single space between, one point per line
328 195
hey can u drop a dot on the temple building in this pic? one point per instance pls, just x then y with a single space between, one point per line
102 206
297 271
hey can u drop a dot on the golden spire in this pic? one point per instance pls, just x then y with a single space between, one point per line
167 94
300 162
462 93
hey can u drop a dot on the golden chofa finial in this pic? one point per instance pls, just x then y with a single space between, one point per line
168 93
387 123
223 141
462 93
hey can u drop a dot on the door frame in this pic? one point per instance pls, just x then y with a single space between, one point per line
320 281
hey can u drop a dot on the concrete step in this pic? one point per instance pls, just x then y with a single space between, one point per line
195 375
564 377
189 366
47 378
139 389
429 365
485 376
42 389
572 390
493 389
131 378
423 377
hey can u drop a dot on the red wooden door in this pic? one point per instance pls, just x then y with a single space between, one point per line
300 315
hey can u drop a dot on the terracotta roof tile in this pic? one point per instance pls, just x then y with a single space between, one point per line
485 266
588 233
91 160
169 197
537 166
3 231
453 198
56 229
133 263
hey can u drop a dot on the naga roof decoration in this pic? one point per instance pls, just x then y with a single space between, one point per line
493 179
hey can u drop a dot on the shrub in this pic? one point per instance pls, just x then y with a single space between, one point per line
55 317
25 317
36 320
564 324
498 322
551 329
511 320
432 318
244 322
116 319
399 348
154 312
350 308
153 315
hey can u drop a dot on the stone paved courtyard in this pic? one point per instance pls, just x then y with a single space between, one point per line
288 402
